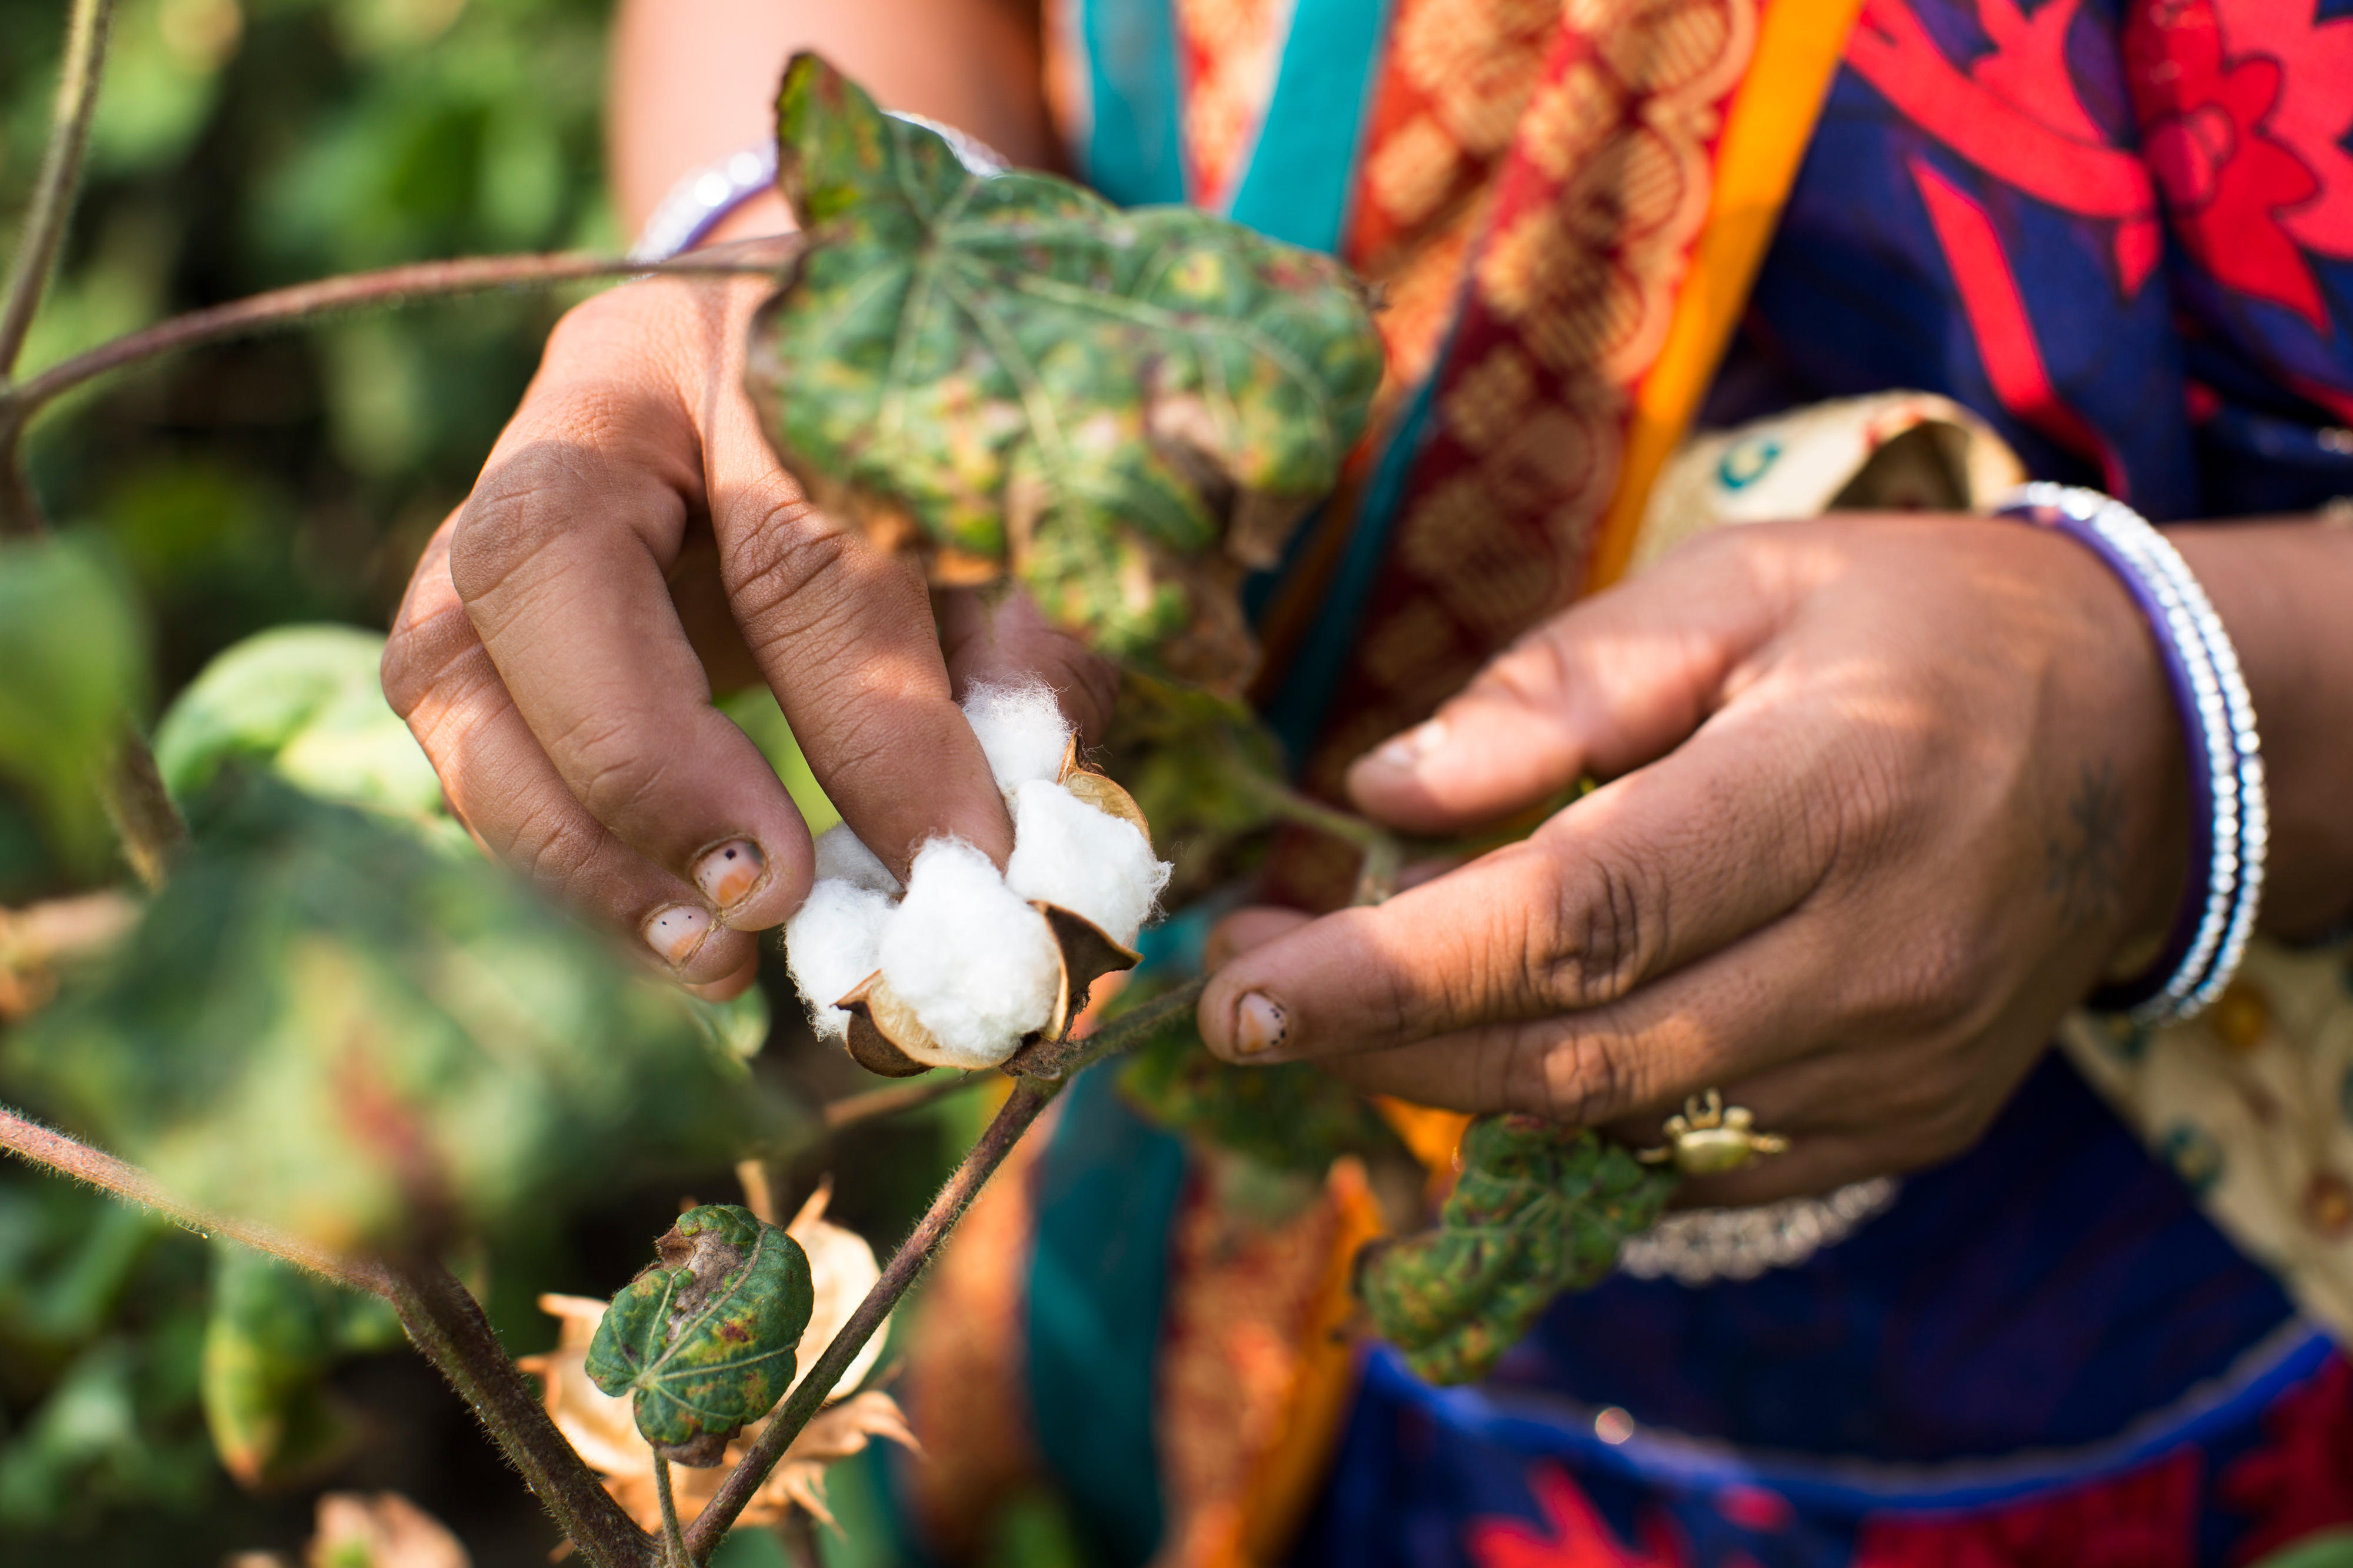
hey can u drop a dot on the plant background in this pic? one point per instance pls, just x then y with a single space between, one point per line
241 145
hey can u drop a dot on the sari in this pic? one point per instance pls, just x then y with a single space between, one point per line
2114 239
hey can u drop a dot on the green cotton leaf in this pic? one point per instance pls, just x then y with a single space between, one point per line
324 1024
1008 376
703 1340
308 703
74 648
1538 1209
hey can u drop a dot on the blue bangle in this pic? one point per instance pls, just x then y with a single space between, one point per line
2230 819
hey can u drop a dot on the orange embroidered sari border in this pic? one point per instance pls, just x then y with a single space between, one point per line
1765 132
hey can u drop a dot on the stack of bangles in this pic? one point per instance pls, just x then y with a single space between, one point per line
2229 821
2229 818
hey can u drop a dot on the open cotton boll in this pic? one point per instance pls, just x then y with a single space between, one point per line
976 964
833 944
842 857
1022 730
1067 853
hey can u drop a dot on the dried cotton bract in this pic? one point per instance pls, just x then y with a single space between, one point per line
964 964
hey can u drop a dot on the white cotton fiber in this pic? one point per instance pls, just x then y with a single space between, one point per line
974 962
832 945
1022 730
1067 853
842 857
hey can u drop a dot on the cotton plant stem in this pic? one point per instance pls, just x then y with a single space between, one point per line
28 1140
447 1325
854 1110
1030 1098
1034 1088
1290 805
673 1542
306 302
50 212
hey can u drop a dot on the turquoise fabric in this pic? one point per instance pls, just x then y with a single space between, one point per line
1297 183
1134 150
1107 1192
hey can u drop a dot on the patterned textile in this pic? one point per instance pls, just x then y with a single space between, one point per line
2123 234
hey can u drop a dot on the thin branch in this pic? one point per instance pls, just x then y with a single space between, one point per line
852 1110
28 1140
914 1255
1287 804
1035 1084
51 209
306 302
673 1542
447 1324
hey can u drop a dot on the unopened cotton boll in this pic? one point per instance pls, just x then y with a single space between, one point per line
842 857
831 945
1021 729
978 966
1068 854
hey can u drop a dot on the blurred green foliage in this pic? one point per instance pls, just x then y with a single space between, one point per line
328 1025
75 651
244 144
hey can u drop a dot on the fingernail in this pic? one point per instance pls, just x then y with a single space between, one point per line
1404 751
676 931
728 872
1259 1025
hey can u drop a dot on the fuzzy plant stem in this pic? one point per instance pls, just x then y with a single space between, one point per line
1030 1098
1034 1088
50 212
673 1542
307 303
28 1140
856 1110
448 1327
47 219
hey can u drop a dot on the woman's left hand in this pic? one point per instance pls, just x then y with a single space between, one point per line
1888 796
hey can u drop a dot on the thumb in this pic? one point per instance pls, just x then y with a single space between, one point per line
1606 686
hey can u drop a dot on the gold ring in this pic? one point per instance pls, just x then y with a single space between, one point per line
1710 1138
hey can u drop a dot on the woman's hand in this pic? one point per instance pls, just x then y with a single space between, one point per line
1888 795
631 540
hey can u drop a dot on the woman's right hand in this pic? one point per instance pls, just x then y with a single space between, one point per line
557 647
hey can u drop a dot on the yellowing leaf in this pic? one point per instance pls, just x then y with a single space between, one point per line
1004 373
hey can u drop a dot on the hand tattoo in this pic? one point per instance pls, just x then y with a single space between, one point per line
2085 862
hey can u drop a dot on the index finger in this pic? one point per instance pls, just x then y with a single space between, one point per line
1642 876
846 639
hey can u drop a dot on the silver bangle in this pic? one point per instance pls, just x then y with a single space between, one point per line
2219 719
703 198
